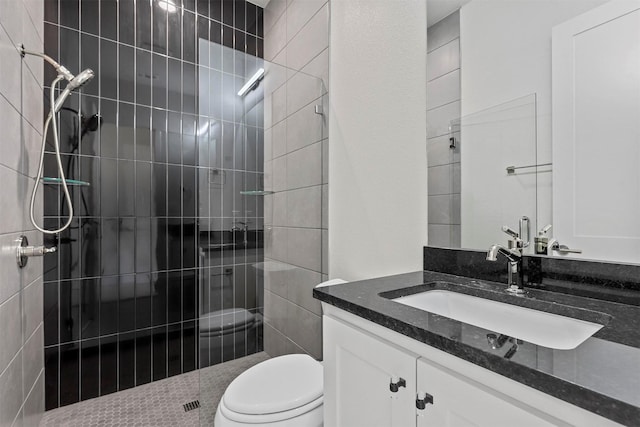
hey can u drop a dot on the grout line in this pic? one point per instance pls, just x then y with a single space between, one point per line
457 37
117 334
15 45
304 25
60 26
40 325
24 118
194 270
161 109
31 390
442 106
10 362
23 176
444 74
39 31
444 164
290 115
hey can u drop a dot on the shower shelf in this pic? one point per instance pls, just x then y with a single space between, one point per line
58 181
256 193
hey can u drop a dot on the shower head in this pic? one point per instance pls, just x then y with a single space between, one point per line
78 81
74 81
81 79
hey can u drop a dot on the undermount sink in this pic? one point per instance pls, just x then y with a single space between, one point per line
537 327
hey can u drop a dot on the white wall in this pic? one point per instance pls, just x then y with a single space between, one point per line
506 54
21 290
377 129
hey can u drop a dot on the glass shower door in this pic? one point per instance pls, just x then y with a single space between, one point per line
239 134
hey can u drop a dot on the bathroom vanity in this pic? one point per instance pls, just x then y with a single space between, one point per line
391 364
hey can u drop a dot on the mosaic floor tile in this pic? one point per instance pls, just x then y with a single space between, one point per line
157 404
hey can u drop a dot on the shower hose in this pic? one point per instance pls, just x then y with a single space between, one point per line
51 119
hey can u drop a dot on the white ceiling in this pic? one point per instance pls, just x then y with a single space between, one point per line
438 9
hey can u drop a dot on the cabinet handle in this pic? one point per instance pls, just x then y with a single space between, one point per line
396 383
422 399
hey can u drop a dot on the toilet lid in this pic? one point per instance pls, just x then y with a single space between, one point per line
225 320
276 385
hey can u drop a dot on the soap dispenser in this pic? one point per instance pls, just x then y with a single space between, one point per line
541 241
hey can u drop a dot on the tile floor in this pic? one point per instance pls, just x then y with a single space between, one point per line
157 404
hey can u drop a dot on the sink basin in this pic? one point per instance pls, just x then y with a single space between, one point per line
537 327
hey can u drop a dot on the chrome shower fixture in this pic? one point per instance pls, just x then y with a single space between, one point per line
59 68
78 81
74 82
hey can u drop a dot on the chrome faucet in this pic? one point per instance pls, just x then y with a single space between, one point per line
514 269
513 254
244 227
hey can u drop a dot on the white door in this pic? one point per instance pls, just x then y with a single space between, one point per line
461 402
596 132
358 370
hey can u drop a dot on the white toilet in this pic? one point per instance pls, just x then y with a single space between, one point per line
224 333
286 391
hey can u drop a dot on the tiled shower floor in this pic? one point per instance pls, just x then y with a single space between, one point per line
157 404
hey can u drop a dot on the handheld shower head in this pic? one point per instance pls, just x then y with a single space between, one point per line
78 81
74 81
81 79
56 104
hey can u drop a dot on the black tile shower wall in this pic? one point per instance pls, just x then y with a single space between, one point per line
122 295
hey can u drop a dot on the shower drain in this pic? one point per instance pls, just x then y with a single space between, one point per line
191 406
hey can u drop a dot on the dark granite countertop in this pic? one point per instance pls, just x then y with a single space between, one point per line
601 375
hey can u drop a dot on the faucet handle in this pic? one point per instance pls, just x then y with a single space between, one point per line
564 249
544 230
518 241
510 232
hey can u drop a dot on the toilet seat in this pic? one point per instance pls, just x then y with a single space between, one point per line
275 390
225 321
269 418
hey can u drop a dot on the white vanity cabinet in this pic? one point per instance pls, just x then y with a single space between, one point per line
376 377
459 401
359 370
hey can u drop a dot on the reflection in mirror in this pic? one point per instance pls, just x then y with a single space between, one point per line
480 58
596 105
498 172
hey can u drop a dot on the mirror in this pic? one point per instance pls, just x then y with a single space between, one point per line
497 99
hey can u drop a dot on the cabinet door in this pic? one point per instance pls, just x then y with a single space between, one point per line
358 370
596 98
461 402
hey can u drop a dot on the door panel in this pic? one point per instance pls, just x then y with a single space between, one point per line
596 132
358 370
461 402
